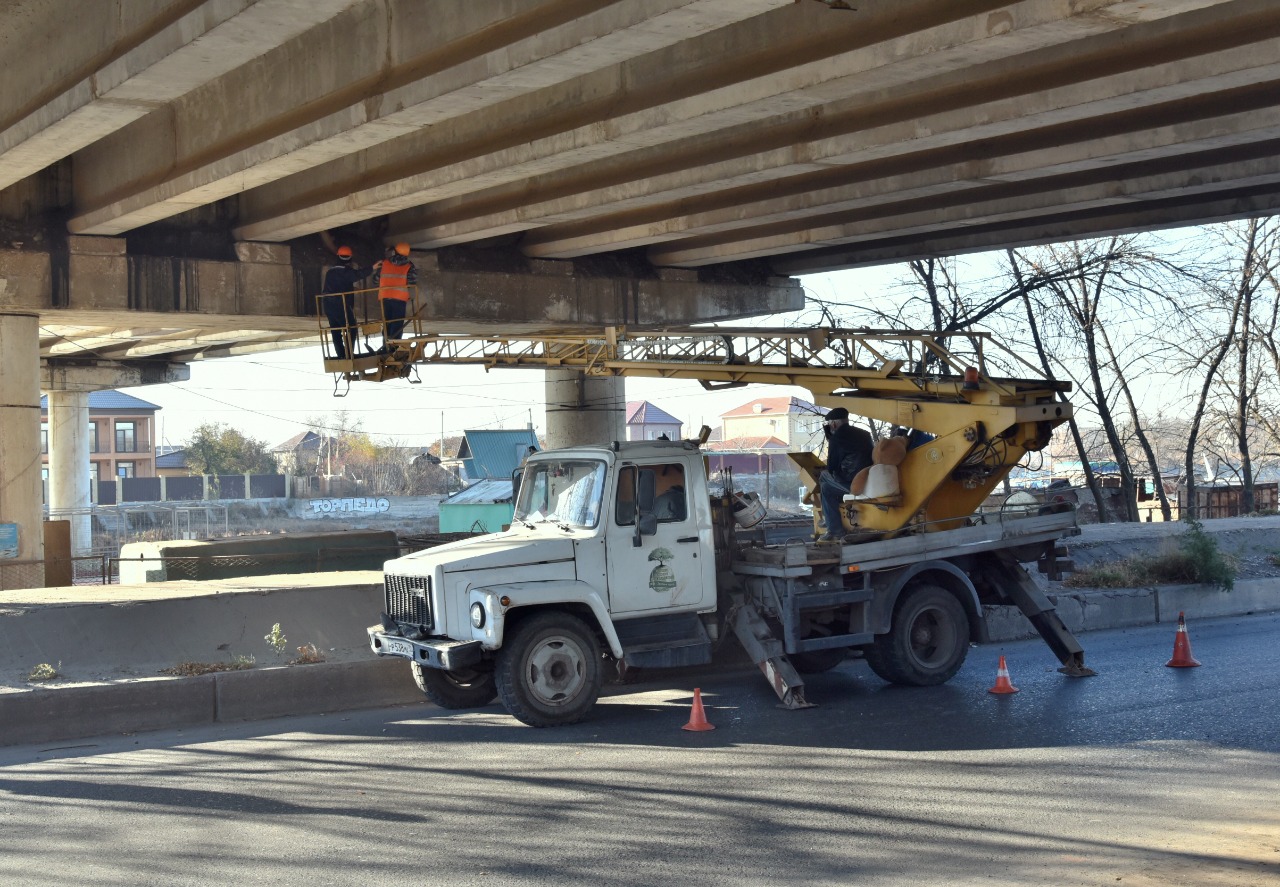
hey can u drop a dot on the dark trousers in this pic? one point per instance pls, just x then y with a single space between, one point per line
393 312
340 309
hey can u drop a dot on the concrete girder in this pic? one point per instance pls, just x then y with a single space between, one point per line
101 375
214 38
519 64
341 192
1076 103
1065 195
90 342
920 175
1016 233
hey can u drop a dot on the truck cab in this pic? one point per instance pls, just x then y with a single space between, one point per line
611 551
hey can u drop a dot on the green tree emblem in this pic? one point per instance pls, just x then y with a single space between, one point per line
662 579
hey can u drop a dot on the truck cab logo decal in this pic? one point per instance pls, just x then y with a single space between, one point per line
663 578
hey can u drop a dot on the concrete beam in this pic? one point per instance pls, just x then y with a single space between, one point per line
100 375
1100 222
509 50
1142 136
1061 195
213 39
20 484
871 58
971 128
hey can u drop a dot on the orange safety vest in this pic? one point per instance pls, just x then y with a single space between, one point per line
393 280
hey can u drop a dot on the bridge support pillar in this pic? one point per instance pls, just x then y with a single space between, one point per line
20 487
69 465
584 409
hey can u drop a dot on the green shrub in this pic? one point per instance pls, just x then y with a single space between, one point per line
1197 561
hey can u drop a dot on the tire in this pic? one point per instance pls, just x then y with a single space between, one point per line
549 670
818 661
473 688
927 640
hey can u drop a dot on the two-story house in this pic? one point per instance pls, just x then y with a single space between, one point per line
121 437
791 420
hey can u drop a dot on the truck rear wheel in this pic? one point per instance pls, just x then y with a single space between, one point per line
472 688
927 641
549 672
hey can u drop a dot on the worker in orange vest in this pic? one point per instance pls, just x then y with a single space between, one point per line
394 276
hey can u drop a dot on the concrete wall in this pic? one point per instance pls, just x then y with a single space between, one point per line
142 562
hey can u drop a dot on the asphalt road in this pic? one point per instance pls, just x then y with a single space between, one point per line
1139 777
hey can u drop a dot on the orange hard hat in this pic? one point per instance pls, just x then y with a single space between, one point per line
402 249
344 252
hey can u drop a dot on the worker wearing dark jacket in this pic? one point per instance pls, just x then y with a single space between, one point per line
340 283
396 278
848 452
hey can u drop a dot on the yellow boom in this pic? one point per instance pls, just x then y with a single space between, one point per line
982 427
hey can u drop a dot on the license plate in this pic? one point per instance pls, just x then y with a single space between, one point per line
397 647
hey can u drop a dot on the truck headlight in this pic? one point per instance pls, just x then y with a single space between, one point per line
477 615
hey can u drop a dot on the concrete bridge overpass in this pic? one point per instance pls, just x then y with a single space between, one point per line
175 173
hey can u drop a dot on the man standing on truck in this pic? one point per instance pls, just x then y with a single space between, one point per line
395 275
339 301
848 452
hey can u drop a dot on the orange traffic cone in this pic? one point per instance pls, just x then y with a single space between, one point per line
1182 657
698 719
1002 680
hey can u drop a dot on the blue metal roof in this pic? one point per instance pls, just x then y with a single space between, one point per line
175 458
111 401
495 454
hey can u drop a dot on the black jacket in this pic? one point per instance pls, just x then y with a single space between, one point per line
848 452
343 278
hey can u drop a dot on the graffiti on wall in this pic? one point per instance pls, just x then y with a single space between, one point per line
351 505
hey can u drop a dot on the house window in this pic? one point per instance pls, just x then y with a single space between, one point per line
126 469
93 437
126 438
44 440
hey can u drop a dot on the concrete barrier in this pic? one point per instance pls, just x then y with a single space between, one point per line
57 714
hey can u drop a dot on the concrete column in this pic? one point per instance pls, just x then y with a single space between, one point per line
69 464
20 487
584 409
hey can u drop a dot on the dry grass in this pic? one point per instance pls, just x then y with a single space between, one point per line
307 655
194 669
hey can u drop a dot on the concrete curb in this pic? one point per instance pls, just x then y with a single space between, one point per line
56 714
1084 610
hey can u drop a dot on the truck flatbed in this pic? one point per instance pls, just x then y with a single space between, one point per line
799 559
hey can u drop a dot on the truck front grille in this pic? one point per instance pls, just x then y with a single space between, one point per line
409 599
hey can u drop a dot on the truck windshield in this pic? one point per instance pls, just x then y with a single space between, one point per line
568 491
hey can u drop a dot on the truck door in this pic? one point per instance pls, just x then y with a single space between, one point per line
662 572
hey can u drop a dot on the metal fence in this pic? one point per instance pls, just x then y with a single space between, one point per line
53 573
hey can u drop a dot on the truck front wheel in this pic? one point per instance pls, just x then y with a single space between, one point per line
549 671
927 641
455 689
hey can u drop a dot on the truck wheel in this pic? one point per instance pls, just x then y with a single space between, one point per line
818 661
927 641
549 671
472 688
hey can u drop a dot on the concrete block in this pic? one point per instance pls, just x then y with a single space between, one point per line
266 289
1203 602
215 288
25 280
686 275
55 714
551 267
264 253
99 282
425 261
312 689
81 245
1094 610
